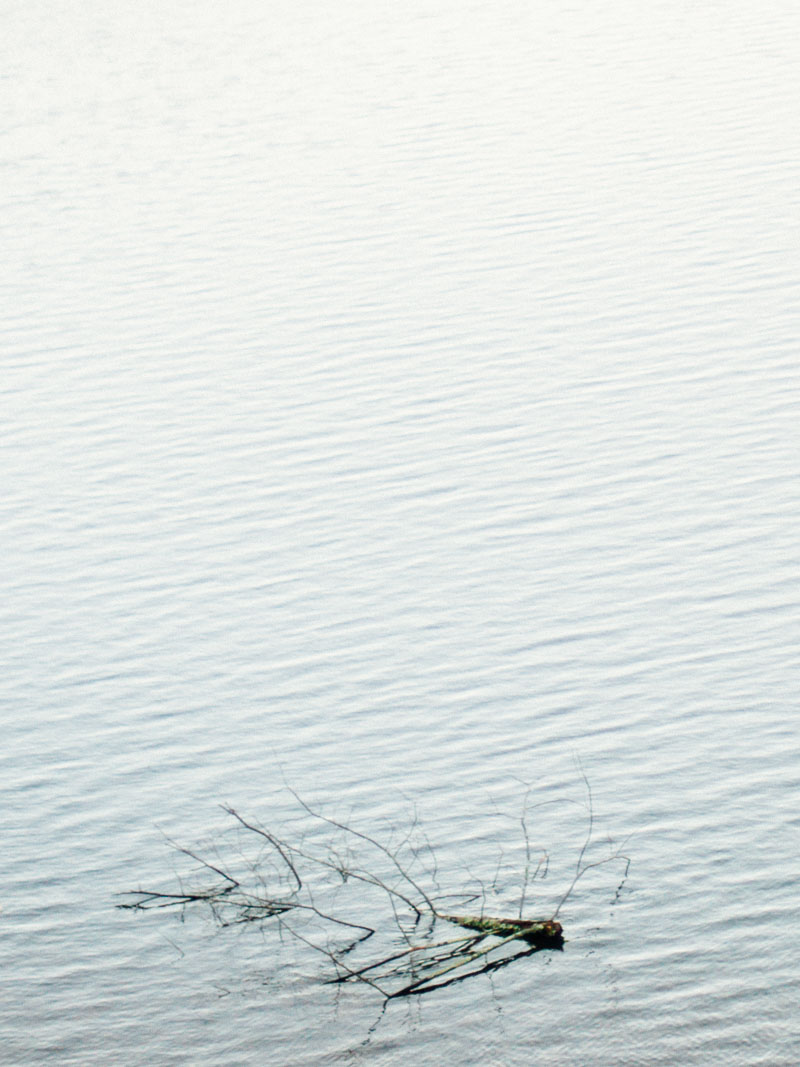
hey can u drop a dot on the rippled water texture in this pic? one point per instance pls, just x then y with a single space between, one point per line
402 400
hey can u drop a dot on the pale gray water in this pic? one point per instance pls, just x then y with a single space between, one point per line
404 396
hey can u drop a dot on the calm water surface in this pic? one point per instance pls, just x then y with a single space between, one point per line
402 400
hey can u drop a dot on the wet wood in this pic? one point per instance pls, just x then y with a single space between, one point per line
544 933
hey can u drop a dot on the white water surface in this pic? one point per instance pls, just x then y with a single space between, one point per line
401 400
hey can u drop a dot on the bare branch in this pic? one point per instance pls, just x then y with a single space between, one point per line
277 845
310 880
371 840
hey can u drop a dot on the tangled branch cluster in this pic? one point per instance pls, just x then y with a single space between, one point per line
322 896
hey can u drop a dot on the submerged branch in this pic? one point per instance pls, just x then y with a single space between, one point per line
289 879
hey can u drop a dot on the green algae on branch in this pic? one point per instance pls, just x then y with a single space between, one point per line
544 933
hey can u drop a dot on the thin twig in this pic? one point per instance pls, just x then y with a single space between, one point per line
278 845
370 840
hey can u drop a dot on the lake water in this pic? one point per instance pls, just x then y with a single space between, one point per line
402 402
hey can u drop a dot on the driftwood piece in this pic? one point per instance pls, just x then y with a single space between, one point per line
302 885
543 933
